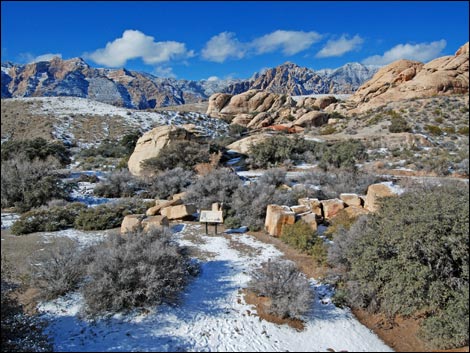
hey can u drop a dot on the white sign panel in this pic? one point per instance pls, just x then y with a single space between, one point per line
211 217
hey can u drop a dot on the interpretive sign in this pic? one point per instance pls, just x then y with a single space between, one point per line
211 217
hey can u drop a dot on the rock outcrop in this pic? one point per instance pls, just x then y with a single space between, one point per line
259 109
406 79
377 191
276 218
151 143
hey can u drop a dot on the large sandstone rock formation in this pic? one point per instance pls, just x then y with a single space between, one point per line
405 79
151 143
258 109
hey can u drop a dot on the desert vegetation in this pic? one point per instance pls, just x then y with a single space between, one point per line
411 259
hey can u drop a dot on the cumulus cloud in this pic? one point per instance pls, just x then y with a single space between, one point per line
30 58
213 78
340 46
223 46
165 72
290 42
135 44
420 52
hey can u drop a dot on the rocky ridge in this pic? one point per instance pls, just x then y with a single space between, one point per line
132 89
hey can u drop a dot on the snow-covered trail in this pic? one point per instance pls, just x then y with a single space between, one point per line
212 315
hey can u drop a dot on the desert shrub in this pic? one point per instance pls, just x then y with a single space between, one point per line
463 130
38 148
180 153
336 115
299 235
275 150
335 182
110 215
47 219
287 288
319 252
327 130
138 270
433 129
217 186
110 149
57 271
412 257
168 183
26 184
249 202
119 183
275 177
236 130
399 124
343 155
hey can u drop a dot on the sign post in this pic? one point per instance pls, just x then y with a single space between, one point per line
211 217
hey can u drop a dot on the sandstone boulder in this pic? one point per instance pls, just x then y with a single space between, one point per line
355 211
351 199
155 222
216 102
311 220
151 143
376 192
300 209
331 207
132 223
152 211
314 205
324 102
276 217
312 118
178 212
243 145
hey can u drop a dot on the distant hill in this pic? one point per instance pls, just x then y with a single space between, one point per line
132 89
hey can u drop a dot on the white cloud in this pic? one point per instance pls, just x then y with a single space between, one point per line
165 72
340 46
135 44
213 78
420 52
223 46
30 58
290 42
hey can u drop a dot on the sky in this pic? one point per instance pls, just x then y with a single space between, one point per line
230 39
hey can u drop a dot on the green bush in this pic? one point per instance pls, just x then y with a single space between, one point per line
38 148
343 155
327 130
299 235
47 219
27 184
276 150
110 149
136 270
108 216
398 124
412 258
463 130
433 129
178 154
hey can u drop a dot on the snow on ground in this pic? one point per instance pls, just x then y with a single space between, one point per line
8 219
396 189
83 238
212 315
66 107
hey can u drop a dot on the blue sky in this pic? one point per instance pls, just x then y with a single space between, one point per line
198 40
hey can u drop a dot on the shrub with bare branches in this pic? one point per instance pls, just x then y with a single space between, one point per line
286 286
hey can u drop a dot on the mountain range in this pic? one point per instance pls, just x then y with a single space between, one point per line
138 90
